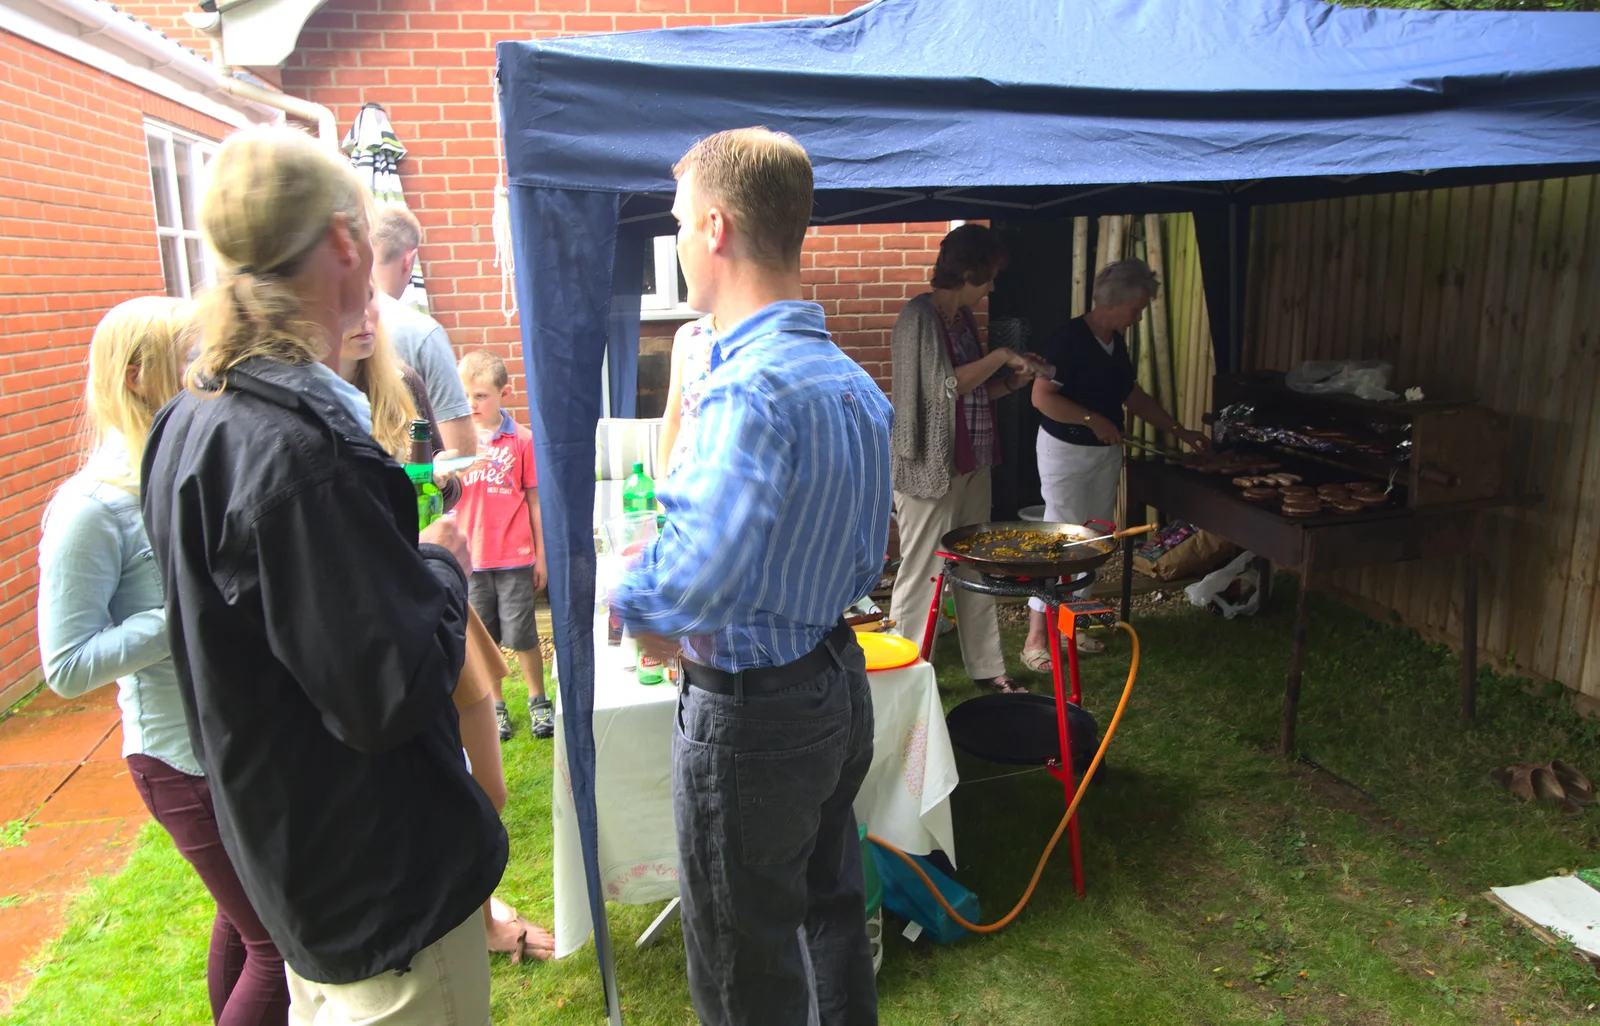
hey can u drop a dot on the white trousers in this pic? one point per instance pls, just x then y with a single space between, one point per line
922 523
1079 483
448 985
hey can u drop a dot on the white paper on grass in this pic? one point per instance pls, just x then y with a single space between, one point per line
1565 905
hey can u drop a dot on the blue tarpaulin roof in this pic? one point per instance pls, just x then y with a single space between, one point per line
1033 102
942 109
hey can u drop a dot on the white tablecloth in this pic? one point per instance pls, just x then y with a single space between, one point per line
905 799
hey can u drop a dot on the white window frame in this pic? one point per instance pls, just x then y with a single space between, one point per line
205 149
665 304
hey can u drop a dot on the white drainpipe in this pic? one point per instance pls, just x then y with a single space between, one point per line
305 110
97 18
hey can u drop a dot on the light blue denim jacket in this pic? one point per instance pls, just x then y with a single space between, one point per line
101 615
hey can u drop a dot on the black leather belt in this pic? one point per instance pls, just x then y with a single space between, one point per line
770 678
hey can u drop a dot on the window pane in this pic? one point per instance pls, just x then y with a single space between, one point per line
649 274
183 153
169 265
159 182
683 286
199 272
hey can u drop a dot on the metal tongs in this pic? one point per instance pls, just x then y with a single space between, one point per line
1159 450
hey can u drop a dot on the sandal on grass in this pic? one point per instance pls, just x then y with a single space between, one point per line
1003 684
510 934
1516 778
1574 784
1036 659
1090 646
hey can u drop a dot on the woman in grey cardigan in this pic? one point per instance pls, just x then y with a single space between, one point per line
944 441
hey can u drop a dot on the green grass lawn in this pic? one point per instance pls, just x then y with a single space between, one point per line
1226 885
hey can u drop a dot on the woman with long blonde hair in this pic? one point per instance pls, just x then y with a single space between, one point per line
321 633
398 395
367 360
101 619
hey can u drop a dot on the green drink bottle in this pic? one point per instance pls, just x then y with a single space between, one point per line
419 468
638 492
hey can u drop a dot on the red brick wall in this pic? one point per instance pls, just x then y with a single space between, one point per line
77 236
166 17
429 62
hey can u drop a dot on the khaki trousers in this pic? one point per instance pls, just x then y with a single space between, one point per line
922 523
448 985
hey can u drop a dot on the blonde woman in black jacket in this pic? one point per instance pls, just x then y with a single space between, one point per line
317 637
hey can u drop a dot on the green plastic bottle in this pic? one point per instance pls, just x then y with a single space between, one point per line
638 492
419 468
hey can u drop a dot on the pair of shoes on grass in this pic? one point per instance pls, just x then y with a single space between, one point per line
1556 782
540 711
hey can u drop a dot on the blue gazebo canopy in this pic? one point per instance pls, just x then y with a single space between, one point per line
927 110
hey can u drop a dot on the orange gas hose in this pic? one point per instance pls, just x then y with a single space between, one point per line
1072 808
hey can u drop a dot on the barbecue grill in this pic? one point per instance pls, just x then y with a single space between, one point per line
1441 463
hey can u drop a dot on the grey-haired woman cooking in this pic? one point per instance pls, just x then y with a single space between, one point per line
1080 440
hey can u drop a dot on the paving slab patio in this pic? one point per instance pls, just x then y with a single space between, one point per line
68 812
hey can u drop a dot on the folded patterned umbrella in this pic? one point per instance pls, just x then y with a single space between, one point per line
376 152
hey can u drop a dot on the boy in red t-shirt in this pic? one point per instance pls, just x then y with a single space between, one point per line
499 511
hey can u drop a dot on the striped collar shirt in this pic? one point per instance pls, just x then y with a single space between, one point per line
778 518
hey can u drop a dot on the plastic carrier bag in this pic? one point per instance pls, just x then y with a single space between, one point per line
1365 379
1235 590
907 896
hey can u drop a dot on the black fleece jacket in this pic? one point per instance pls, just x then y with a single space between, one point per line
317 646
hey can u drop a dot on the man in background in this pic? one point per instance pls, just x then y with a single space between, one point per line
418 339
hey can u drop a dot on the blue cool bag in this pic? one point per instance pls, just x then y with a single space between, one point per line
907 896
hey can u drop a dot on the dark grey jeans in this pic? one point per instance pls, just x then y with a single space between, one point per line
769 863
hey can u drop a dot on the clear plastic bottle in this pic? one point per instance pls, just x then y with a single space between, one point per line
630 651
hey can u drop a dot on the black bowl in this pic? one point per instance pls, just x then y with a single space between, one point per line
1021 730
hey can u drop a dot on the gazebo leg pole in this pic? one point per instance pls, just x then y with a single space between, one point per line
608 971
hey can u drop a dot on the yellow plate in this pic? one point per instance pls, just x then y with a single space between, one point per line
888 651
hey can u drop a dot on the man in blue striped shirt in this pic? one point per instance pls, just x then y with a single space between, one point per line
776 522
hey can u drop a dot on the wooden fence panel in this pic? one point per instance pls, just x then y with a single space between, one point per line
1488 291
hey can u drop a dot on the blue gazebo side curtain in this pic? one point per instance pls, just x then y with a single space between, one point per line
927 110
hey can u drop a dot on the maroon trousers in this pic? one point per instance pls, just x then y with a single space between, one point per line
244 973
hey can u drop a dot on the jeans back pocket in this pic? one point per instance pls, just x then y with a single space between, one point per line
781 795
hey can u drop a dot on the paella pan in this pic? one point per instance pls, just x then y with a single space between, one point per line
1030 549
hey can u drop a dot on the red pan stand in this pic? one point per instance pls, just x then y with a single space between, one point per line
1065 614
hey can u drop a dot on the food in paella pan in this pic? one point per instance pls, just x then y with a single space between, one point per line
1021 545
